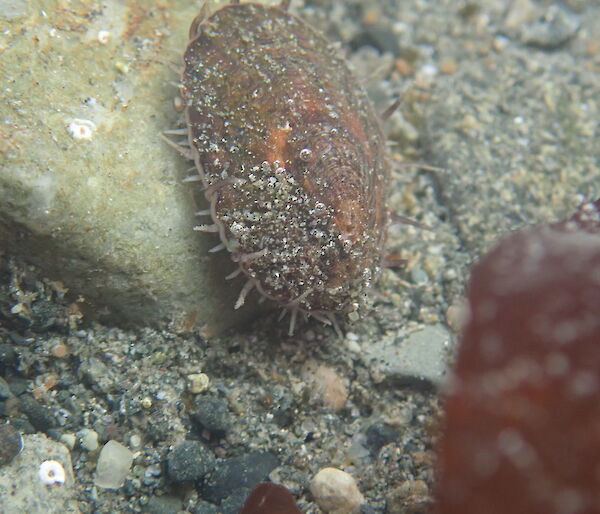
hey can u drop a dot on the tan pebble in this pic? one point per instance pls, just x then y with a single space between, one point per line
371 16
60 350
50 382
198 382
403 67
329 386
457 315
448 66
336 491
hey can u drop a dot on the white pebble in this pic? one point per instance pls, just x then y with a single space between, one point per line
113 465
68 440
88 439
336 491
51 472
135 441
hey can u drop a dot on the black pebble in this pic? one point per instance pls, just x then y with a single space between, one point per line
163 505
211 413
190 460
38 415
11 444
380 434
203 507
235 501
237 473
8 357
5 392
19 385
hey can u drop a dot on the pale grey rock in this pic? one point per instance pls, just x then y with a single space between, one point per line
21 489
410 358
13 8
88 190
113 465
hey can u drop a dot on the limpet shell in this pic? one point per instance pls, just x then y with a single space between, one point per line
291 155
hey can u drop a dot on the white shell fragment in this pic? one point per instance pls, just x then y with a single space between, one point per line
103 37
51 472
82 130
113 465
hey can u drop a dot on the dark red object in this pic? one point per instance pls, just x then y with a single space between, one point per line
269 498
522 428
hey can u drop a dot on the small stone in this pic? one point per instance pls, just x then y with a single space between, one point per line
418 358
8 357
4 390
190 460
60 350
38 415
135 441
203 507
198 382
380 434
235 501
211 414
88 439
68 440
336 491
329 386
551 31
11 444
237 473
19 385
163 505
113 465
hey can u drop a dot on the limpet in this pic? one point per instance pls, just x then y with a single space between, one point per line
291 156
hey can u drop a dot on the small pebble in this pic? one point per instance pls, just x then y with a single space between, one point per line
4 390
203 507
211 414
60 350
198 382
38 415
189 460
380 434
231 475
163 505
135 441
336 491
11 444
68 440
113 465
8 357
88 439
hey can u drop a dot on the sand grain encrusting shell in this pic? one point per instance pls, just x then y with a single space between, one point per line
292 158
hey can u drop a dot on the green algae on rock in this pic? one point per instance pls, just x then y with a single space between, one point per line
80 114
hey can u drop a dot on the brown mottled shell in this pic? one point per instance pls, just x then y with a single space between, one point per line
291 154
